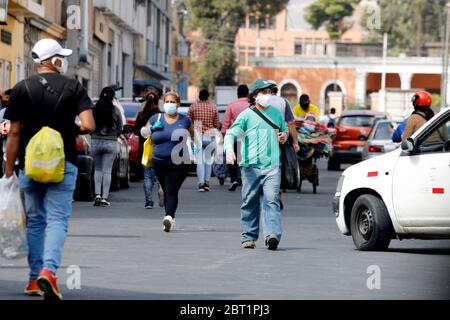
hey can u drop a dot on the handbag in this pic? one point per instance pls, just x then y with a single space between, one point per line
290 170
147 154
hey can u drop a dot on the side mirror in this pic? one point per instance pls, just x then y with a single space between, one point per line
408 145
127 129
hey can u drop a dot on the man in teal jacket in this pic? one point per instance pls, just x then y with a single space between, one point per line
261 130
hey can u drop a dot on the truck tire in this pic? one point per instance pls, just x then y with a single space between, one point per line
370 224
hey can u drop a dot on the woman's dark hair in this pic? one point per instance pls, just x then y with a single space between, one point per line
252 99
104 109
151 104
203 95
429 113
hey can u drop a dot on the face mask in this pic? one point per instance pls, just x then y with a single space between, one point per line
263 100
64 65
170 109
304 105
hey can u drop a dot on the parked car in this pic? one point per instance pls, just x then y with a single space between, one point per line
84 190
131 109
403 194
380 139
352 130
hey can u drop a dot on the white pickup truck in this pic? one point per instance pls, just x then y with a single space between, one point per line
404 194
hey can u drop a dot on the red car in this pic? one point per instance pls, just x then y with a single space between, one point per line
352 130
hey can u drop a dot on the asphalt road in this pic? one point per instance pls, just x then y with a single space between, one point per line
123 253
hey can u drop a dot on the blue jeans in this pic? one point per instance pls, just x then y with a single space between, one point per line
149 182
205 159
260 191
48 208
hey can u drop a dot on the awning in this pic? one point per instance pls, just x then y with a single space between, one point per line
155 74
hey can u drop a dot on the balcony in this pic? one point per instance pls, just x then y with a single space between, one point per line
126 15
26 8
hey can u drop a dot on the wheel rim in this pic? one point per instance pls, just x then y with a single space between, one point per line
365 223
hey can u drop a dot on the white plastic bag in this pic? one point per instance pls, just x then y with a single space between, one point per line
13 242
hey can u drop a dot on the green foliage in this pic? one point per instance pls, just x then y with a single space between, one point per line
409 24
330 14
219 22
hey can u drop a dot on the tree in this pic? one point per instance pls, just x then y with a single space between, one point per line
330 14
219 22
409 24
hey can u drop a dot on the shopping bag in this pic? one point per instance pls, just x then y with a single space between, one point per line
13 242
44 157
290 170
147 155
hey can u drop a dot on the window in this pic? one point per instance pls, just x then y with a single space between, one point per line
298 47
273 22
357 121
241 56
319 47
149 13
384 131
262 23
309 48
438 140
6 37
252 22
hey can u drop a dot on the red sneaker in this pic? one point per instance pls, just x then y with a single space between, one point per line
47 281
33 289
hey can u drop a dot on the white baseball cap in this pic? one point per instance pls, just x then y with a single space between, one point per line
47 48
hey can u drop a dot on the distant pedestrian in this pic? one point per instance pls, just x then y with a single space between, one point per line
398 133
205 118
170 132
423 113
234 109
305 107
151 108
261 173
109 127
330 119
47 99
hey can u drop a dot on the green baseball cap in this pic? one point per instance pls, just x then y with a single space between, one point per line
261 84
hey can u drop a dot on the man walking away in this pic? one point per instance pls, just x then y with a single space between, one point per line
47 99
261 174
205 117
234 109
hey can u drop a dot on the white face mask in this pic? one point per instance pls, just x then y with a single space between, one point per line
64 64
263 100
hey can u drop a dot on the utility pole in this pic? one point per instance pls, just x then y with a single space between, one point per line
444 95
382 101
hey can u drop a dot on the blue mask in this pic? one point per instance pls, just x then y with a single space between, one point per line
170 109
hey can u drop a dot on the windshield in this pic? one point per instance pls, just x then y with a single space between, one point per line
357 121
384 131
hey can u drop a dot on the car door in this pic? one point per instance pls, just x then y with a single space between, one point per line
421 180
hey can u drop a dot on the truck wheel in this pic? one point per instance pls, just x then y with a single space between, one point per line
333 165
370 224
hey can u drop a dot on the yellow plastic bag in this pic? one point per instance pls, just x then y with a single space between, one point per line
147 155
44 157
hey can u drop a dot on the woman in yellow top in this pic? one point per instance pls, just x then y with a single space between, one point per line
304 108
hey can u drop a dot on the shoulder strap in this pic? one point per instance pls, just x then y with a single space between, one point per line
49 89
262 116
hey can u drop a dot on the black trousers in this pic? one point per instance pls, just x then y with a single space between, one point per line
171 178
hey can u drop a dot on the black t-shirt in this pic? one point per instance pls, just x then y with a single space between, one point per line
38 110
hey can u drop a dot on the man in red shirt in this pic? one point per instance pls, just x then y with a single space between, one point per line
205 117
233 111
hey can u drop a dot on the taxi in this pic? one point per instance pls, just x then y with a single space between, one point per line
404 194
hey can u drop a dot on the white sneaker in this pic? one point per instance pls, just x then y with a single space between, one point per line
169 224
